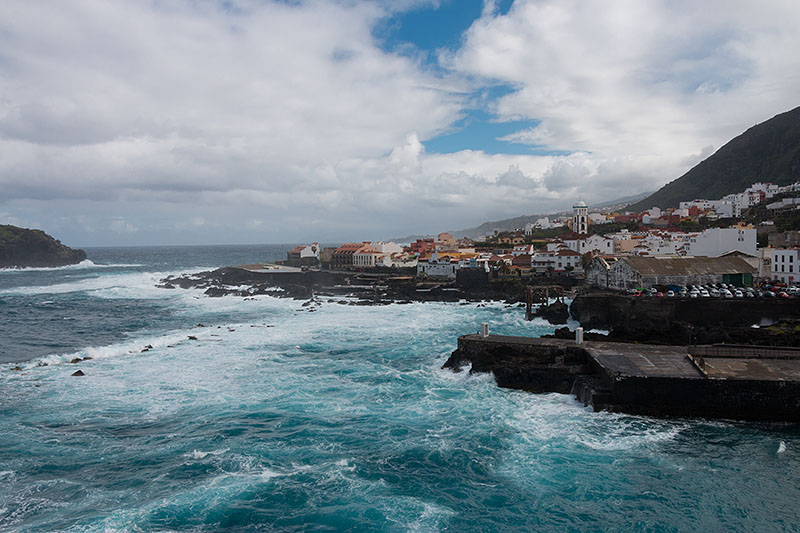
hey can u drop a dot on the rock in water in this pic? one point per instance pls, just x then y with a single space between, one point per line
20 247
555 313
78 373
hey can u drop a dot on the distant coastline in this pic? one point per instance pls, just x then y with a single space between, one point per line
25 248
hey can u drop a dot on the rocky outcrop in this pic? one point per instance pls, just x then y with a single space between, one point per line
20 247
555 313
526 364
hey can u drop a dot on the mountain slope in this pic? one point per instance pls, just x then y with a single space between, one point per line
518 222
769 151
20 247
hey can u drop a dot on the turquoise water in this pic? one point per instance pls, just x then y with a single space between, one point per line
277 418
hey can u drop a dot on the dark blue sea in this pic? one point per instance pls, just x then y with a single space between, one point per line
281 419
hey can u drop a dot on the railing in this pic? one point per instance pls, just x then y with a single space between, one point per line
743 351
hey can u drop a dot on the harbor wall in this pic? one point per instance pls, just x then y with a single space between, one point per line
607 310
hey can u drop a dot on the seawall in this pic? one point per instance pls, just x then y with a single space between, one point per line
606 310
753 384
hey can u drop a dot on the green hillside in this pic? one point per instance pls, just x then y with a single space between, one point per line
768 152
20 247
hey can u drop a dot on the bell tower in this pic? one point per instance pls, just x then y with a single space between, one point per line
580 217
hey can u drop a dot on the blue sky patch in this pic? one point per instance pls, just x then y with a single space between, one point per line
478 131
430 28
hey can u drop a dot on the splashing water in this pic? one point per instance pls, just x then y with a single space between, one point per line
273 417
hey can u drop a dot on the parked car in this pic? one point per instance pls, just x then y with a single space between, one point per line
738 294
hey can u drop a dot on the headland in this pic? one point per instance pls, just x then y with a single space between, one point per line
24 248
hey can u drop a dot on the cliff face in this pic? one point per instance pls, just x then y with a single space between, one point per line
20 247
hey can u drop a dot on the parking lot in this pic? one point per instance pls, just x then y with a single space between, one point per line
719 290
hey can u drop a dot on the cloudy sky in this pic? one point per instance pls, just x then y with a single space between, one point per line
258 121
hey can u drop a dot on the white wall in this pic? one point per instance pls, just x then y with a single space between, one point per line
717 241
785 264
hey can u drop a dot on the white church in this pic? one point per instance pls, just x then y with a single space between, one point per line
580 217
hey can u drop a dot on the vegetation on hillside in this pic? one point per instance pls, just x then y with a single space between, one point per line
20 247
768 152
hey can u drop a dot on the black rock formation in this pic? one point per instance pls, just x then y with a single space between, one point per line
555 313
20 247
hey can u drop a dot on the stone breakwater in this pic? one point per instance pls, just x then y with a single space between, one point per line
745 382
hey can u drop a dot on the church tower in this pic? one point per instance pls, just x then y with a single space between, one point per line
580 218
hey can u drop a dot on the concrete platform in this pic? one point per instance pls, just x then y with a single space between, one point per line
750 383
643 360
755 369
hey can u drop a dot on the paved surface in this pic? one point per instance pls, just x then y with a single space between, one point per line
527 341
626 359
643 359
759 369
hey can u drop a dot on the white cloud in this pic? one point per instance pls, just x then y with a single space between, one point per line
187 97
119 225
269 117
651 81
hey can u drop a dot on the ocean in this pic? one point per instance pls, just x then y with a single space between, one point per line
277 418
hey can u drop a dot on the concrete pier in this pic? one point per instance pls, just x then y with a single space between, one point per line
749 383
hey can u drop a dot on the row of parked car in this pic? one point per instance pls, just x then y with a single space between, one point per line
719 290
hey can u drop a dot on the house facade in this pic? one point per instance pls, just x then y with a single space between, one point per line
785 265
438 266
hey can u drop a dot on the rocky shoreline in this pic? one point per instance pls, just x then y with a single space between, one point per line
358 288
765 322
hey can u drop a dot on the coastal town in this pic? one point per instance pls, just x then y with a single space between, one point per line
703 248
690 311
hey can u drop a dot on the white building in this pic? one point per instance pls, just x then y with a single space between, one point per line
785 263
438 266
715 242
523 249
599 218
561 262
580 218
595 244
366 256
387 248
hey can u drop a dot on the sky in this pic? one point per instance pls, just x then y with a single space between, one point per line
155 122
